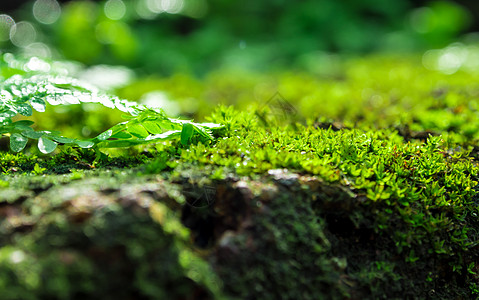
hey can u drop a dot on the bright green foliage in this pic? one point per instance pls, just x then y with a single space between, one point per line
367 93
23 94
378 199
419 196
213 33
429 185
10 162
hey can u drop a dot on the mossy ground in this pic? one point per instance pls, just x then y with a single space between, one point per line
357 185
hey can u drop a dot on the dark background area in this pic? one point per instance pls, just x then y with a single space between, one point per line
471 5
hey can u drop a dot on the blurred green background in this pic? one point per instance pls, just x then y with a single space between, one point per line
197 36
188 56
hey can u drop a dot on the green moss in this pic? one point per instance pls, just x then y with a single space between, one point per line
379 199
64 244
282 254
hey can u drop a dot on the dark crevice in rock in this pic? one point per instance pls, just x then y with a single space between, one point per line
410 135
225 212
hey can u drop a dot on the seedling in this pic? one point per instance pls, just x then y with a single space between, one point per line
24 94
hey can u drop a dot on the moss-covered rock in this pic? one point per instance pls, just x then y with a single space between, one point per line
92 239
362 186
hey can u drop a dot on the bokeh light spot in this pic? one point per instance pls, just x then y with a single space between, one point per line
115 9
6 23
154 6
46 11
169 6
107 77
36 64
17 256
448 60
37 49
172 6
160 99
429 59
143 10
449 63
22 34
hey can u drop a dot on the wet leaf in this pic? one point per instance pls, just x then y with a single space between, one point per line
18 142
46 145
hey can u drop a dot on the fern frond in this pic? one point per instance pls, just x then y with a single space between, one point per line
32 91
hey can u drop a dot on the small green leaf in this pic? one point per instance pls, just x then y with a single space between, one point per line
6 115
166 126
121 105
24 109
163 136
38 104
17 142
63 140
137 130
127 117
203 132
120 143
186 133
122 135
21 127
38 170
5 128
71 87
23 123
46 145
84 144
104 135
152 127
32 134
